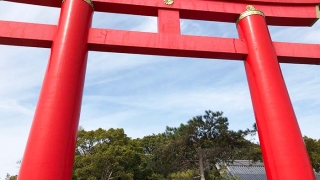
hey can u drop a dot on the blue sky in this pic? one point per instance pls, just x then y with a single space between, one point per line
143 94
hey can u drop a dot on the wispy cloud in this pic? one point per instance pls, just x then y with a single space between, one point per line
28 13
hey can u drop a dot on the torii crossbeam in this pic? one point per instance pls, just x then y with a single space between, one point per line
50 149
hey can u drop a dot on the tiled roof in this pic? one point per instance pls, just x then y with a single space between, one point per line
246 170
252 176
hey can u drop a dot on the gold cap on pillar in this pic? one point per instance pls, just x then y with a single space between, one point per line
87 1
90 3
250 11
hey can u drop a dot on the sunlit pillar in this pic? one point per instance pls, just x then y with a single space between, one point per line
284 153
49 153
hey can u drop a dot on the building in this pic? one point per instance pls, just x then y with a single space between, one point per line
247 170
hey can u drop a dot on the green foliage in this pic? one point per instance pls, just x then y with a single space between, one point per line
9 177
157 177
313 148
165 154
104 155
187 175
251 151
206 140
189 151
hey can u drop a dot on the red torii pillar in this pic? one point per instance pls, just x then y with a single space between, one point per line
49 153
284 153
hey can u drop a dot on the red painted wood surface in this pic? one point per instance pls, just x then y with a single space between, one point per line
165 44
284 153
26 34
168 21
49 153
213 10
297 53
282 1
223 11
40 35
57 3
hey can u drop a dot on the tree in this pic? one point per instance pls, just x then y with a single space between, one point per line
187 175
165 155
9 177
313 148
189 151
106 155
13 177
207 140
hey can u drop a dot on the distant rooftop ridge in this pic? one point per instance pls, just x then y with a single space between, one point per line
249 170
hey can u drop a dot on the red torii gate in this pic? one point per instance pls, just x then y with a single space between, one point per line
50 151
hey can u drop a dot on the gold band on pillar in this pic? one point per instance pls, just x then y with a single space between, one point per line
168 2
87 1
250 11
90 3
